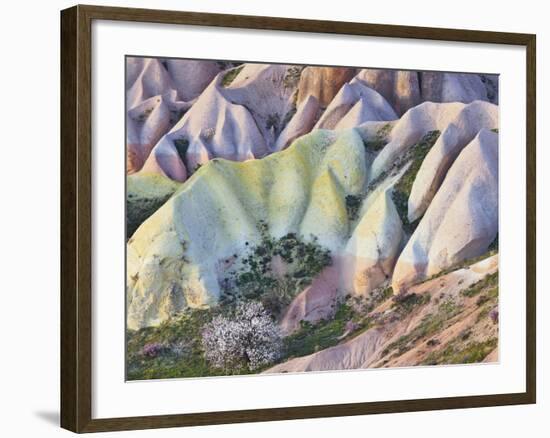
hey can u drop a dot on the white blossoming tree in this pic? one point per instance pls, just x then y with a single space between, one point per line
247 338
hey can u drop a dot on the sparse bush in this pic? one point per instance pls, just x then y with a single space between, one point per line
230 76
246 338
273 121
255 278
402 190
292 76
153 349
493 314
182 144
378 141
404 304
353 204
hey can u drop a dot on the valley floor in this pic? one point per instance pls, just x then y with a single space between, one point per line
449 319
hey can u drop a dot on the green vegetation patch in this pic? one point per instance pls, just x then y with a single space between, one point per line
291 112
406 303
327 332
170 350
256 280
430 324
493 247
380 140
402 190
292 76
459 352
145 194
491 251
174 349
351 316
273 122
353 205
487 284
142 117
230 76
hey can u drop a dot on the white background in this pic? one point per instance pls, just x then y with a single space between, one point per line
112 397
30 221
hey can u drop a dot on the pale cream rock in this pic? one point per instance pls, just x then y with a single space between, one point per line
452 140
301 123
370 253
418 121
462 219
174 255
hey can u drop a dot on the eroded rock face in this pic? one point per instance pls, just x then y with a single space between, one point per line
452 140
426 117
323 83
158 94
191 77
400 88
267 91
245 118
355 104
146 123
403 340
462 219
262 108
174 257
315 302
213 127
407 89
371 251
454 87
300 124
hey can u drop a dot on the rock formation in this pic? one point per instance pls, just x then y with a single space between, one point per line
178 250
359 206
158 94
461 221
323 83
322 175
355 104
448 318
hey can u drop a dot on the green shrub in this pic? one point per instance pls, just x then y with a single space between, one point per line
402 190
230 76
256 280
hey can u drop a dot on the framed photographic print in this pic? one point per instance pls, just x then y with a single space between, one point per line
268 218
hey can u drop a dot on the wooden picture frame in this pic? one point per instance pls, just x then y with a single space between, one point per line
76 217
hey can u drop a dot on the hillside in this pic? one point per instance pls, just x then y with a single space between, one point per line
366 226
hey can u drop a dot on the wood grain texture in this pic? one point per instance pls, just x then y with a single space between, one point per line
76 222
531 219
68 347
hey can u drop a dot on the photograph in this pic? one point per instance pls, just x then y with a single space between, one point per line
252 219
292 218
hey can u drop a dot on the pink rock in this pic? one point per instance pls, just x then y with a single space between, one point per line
315 302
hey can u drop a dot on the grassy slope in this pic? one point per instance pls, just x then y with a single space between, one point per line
145 194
